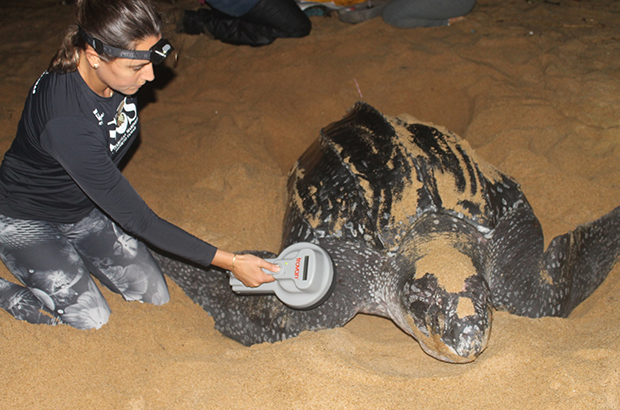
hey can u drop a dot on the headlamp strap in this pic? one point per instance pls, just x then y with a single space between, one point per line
156 54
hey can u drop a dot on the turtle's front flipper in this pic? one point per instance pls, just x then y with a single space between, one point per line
582 259
251 319
526 282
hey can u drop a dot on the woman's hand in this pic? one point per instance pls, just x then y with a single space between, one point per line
246 267
248 270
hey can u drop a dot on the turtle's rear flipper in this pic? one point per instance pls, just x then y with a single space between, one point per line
526 282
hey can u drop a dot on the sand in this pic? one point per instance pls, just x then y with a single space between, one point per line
533 87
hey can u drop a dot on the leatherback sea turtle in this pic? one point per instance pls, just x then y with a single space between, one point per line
421 231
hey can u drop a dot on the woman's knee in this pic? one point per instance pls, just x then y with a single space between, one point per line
86 316
142 281
89 311
157 293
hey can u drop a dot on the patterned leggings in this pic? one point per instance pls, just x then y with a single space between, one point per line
53 262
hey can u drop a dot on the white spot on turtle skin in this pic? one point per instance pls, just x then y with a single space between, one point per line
483 229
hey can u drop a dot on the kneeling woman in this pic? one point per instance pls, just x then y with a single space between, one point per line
65 207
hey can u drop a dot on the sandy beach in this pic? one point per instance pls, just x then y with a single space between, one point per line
531 85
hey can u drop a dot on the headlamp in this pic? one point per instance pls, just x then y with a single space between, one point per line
155 54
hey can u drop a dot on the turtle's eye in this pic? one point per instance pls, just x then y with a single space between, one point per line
420 297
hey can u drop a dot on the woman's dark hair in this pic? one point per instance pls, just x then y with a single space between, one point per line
117 23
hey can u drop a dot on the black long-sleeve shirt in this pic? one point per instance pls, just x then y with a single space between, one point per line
64 162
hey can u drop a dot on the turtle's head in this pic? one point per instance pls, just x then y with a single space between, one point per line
450 326
443 300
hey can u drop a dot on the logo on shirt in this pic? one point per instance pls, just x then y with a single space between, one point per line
123 124
99 116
